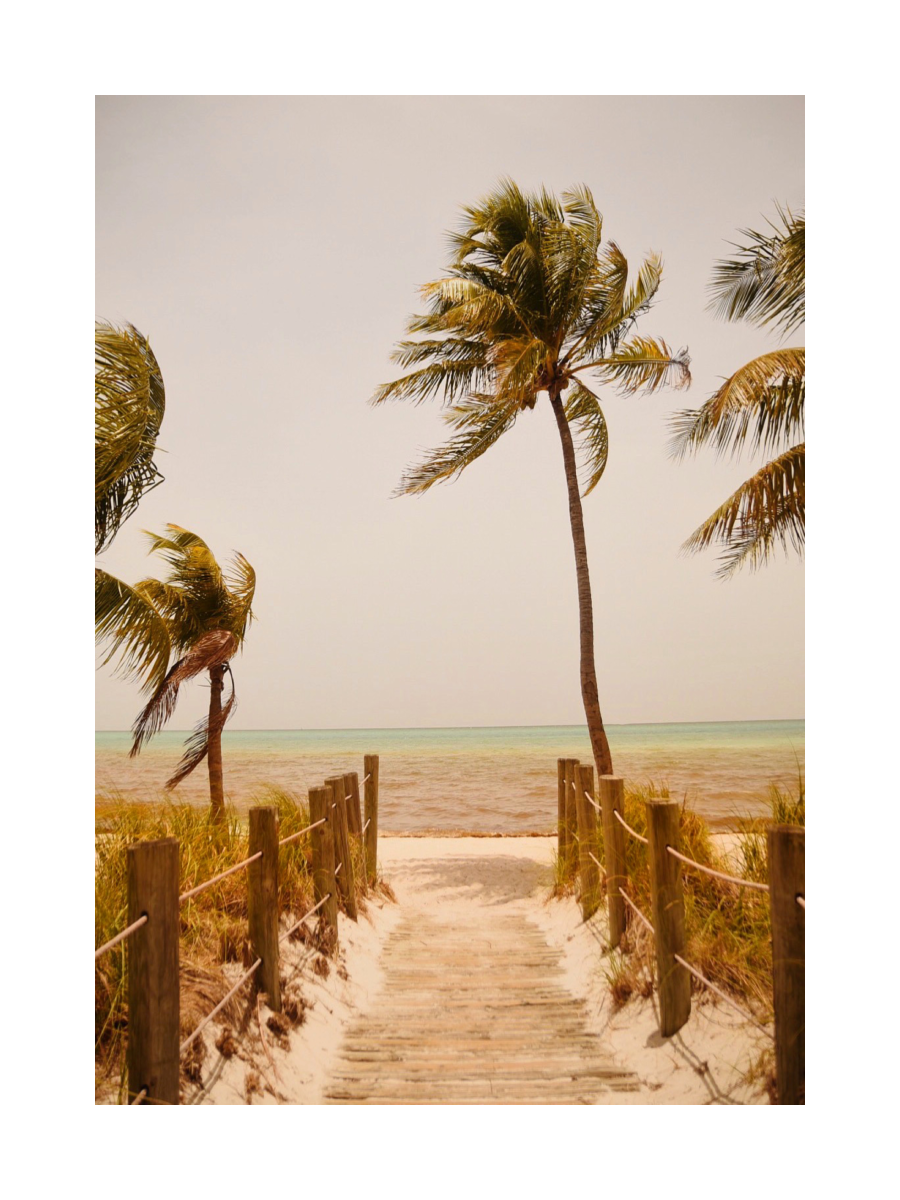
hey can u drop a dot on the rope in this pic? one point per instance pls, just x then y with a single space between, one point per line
215 879
206 1020
367 824
762 887
590 799
622 821
599 864
121 936
712 987
338 868
800 900
305 917
293 837
139 1097
368 777
633 906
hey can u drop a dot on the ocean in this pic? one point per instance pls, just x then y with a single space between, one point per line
484 779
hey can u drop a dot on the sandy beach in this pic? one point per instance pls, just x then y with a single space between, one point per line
471 890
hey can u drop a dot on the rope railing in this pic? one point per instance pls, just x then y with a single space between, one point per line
724 996
599 864
631 904
801 900
206 1020
312 912
139 1097
633 832
293 837
748 883
120 937
201 887
368 777
367 824
337 869
590 799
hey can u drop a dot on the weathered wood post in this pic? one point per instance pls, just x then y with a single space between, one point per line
370 766
354 816
153 985
674 982
587 841
345 878
354 810
324 883
612 799
787 881
562 829
571 817
262 902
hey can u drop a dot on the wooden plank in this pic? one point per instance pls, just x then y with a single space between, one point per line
787 881
153 984
262 902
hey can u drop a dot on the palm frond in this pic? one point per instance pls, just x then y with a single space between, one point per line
241 582
453 378
196 747
761 405
643 364
215 647
767 511
129 406
481 421
766 281
584 411
133 628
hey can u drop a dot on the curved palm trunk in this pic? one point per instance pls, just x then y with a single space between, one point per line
589 695
214 754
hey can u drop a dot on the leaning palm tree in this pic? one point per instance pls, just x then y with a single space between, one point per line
761 406
129 406
533 302
199 614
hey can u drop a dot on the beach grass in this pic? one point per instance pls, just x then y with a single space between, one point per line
213 924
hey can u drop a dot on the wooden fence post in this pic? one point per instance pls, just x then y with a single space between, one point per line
587 841
674 982
345 879
370 766
354 816
562 829
571 816
787 881
354 812
612 799
324 883
153 984
262 902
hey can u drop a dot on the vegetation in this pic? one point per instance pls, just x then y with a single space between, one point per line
198 613
533 302
213 924
129 406
728 928
761 405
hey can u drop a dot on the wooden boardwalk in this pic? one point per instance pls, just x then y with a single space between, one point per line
474 1011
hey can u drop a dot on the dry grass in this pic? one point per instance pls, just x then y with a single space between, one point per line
213 924
727 927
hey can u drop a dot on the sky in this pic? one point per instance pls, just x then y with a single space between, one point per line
272 249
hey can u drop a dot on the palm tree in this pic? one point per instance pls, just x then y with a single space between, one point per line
761 405
532 301
200 614
129 405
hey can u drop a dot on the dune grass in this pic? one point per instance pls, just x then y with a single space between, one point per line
727 927
213 924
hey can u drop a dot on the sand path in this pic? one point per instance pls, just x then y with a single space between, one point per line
474 1007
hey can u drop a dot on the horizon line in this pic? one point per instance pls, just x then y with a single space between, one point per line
411 728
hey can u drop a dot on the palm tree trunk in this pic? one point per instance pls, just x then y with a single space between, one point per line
214 754
589 694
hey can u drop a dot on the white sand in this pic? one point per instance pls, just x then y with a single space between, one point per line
704 1063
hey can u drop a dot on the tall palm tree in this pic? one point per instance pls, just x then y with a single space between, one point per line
761 405
533 301
199 614
129 406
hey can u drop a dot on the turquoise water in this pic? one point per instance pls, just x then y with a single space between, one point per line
487 779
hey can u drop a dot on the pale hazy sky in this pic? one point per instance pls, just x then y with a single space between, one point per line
271 249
